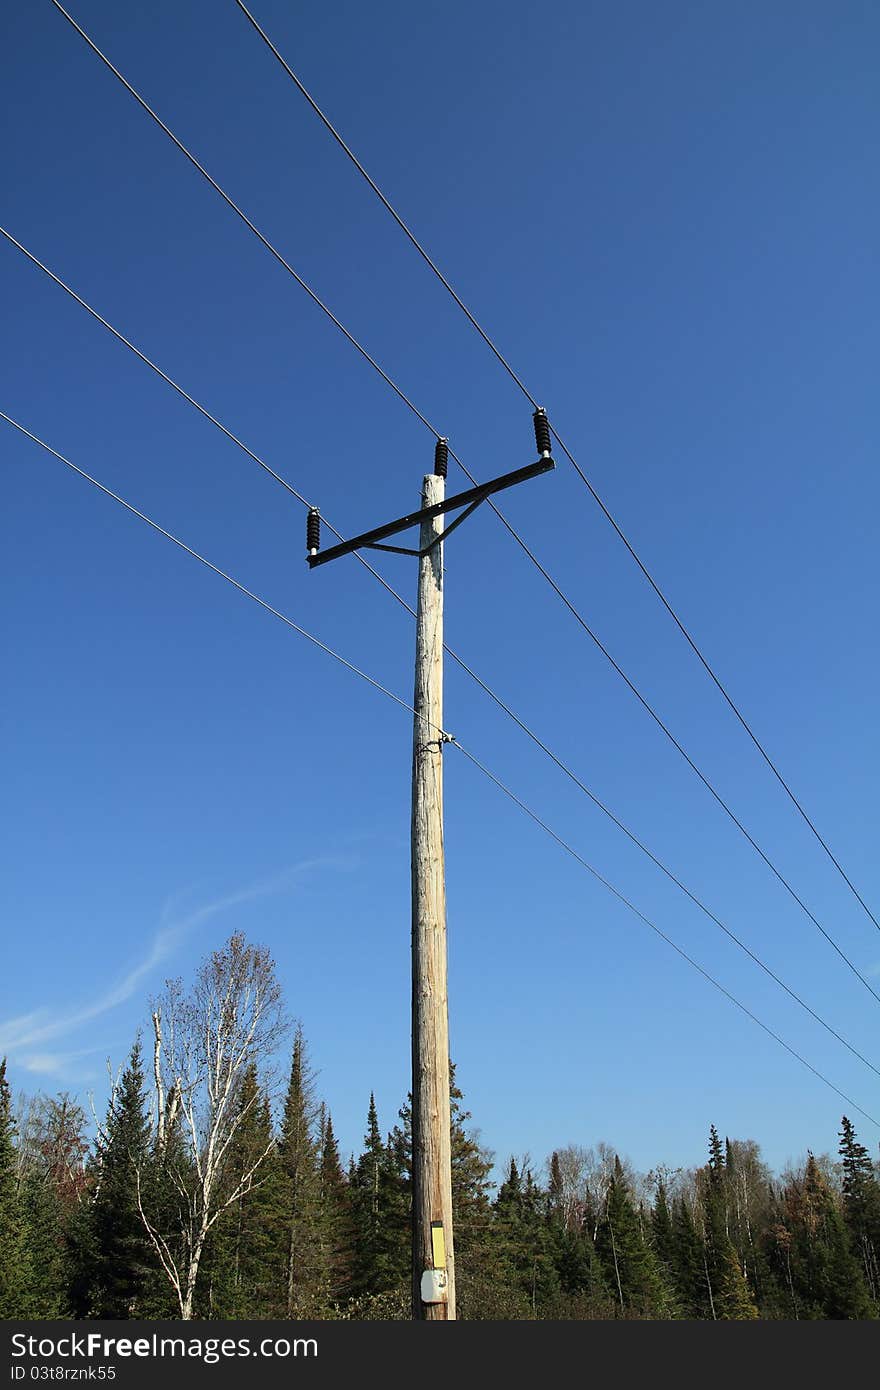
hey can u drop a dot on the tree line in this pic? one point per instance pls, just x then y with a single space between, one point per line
191 1198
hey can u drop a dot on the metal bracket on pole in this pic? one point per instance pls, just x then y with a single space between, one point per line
470 500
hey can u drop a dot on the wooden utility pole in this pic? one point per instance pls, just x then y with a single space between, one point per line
432 1164
433 1288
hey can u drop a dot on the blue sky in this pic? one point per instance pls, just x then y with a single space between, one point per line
667 216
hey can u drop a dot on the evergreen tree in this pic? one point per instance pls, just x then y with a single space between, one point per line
825 1277
731 1298
528 1239
306 1275
689 1264
123 1262
716 1153
381 1258
661 1226
337 1236
471 1164
861 1205
46 1232
663 1242
475 1281
515 1251
471 1182
13 1256
631 1268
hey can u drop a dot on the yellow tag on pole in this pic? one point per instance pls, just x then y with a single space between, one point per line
438 1244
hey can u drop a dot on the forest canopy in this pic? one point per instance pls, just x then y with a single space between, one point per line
209 1190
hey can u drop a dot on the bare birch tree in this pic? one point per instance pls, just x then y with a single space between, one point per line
204 1044
572 1165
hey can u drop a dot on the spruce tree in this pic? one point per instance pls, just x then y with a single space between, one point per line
716 1153
306 1276
46 1230
13 1255
689 1264
471 1165
631 1268
663 1242
337 1235
381 1222
124 1266
861 1205
730 1296
515 1251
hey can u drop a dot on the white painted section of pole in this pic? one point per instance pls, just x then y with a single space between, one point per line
432 1162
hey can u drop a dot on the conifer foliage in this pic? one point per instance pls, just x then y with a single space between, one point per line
234 1202
119 1266
13 1252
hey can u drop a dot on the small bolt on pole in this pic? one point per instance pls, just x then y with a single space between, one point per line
433 1281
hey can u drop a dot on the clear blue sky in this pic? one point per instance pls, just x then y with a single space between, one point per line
668 217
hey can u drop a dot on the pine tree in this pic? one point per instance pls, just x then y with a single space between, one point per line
46 1230
514 1255
689 1265
631 1268
861 1205
381 1258
663 1242
306 1275
716 1153
123 1262
13 1255
471 1165
337 1235
731 1298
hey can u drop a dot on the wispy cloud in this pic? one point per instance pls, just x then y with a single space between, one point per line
53 1063
43 1025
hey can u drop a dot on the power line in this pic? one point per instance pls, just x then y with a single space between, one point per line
501 704
248 593
710 787
403 704
528 552
648 923
244 217
175 386
390 208
716 680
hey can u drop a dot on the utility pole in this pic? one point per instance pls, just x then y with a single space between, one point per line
433 1271
432 1160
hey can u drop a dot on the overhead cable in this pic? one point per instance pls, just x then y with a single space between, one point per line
447 738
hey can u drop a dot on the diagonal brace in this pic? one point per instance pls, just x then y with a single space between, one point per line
469 499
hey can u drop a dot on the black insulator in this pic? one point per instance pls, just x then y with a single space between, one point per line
441 458
542 431
313 530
